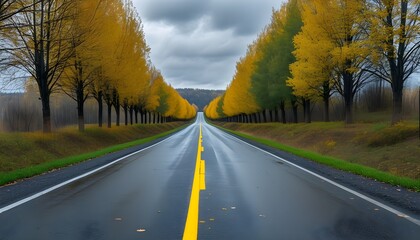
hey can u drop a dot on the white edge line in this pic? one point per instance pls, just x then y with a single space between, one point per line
39 194
360 195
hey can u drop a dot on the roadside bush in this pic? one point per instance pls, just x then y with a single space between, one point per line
392 135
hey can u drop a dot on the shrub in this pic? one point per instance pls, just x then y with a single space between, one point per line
392 135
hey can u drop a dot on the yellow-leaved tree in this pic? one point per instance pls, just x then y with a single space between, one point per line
40 37
238 97
313 72
340 26
81 66
395 37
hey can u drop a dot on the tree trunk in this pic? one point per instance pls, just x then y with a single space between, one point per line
80 106
283 112
116 100
308 111
125 107
136 113
263 119
130 111
46 114
275 115
397 60
45 101
348 106
326 109
295 111
109 107
267 115
100 108
118 114
279 114
326 90
348 95
397 96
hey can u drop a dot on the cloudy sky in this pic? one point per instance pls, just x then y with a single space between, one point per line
196 43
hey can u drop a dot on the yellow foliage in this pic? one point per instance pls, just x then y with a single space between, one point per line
323 48
238 97
211 109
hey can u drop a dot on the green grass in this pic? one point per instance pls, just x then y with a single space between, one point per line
358 169
33 170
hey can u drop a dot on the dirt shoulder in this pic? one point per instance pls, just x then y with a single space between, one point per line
392 149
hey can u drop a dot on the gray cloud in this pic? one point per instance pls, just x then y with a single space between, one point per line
179 11
196 43
245 17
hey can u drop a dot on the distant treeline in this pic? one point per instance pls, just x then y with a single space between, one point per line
199 97
21 112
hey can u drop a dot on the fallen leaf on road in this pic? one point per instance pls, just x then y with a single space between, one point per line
224 209
141 230
202 222
211 219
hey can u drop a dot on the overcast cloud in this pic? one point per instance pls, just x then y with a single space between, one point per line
196 43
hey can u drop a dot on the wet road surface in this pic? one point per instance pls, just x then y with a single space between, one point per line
249 195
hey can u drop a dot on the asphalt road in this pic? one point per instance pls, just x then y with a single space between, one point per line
250 194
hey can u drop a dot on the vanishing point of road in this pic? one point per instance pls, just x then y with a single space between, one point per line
198 183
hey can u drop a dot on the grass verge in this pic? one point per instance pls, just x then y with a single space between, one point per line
413 184
48 165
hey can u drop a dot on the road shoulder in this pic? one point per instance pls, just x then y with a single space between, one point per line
397 197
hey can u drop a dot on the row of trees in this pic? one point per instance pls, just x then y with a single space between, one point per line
313 49
86 48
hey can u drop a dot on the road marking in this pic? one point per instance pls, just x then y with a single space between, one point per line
202 175
191 224
360 195
37 195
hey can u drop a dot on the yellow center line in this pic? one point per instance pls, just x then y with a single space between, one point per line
199 183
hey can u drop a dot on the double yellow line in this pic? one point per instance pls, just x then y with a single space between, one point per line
199 183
